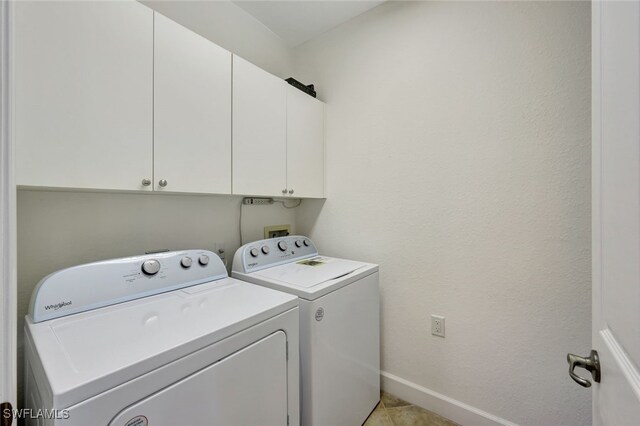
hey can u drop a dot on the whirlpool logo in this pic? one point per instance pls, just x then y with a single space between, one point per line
57 306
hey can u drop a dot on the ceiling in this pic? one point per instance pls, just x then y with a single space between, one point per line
297 21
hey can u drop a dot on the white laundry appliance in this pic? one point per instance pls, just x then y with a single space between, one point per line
339 324
162 339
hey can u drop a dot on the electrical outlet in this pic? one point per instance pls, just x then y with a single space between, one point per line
437 325
219 249
276 231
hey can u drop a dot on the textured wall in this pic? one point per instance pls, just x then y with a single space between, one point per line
458 153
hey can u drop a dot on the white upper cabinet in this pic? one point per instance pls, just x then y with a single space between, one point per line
192 111
278 136
83 90
259 131
113 96
305 145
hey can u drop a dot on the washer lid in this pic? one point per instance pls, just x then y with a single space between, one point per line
311 272
88 353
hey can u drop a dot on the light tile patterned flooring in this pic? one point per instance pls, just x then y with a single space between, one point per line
392 411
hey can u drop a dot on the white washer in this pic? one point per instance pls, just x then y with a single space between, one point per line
339 324
162 339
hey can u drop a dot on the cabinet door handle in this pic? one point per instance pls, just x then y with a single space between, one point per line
146 182
284 191
290 191
162 183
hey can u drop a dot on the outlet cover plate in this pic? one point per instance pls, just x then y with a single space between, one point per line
437 325
276 231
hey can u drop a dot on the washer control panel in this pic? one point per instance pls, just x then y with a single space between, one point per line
95 285
273 251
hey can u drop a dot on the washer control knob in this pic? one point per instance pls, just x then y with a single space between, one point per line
265 249
298 243
254 252
203 260
150 267
282 245
306 243
186 262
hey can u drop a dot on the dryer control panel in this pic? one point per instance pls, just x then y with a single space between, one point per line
271 252
95 285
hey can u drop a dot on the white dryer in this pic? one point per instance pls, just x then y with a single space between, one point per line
163 339
339 324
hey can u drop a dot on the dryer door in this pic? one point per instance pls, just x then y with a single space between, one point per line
246 388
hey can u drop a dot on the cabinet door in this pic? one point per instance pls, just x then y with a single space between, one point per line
83 94
305 145
259 131
192 111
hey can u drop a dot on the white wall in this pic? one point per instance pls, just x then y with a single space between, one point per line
458 152
232 28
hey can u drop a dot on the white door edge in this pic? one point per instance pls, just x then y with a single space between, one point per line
630 372
615 99
8 286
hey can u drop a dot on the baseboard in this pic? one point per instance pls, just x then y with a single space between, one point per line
450 408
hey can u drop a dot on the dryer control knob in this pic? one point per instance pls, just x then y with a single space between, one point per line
186 262
150 267
265 249
282 245
254 252
203 260
306 243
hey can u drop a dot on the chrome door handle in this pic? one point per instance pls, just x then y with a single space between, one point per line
162 183
146 182
592 364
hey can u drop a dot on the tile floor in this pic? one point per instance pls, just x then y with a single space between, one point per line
392 411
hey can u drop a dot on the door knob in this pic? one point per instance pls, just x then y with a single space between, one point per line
284 191
291 191
592 364
146 182
162 183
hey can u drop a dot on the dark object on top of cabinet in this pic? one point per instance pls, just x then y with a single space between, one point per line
309 89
